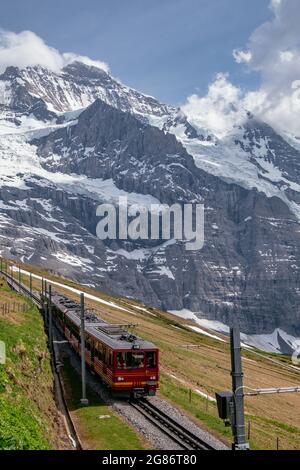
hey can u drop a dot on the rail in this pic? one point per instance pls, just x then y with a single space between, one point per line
174 430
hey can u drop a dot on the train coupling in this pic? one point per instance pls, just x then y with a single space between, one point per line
138 393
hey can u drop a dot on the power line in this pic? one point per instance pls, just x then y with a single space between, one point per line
271 391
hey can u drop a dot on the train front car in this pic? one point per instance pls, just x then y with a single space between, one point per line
137 369
126 362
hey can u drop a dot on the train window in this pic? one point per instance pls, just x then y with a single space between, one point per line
104 354
74 330
151 359
98 351
121 360
135 359
130 360
110 358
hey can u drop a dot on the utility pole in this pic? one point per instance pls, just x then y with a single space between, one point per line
231 403
83 400
19 276
50 317
47 304
238 421
30 284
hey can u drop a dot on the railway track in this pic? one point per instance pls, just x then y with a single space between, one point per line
14 284
174 430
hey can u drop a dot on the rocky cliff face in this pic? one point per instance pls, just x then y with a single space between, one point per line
54 176
46 94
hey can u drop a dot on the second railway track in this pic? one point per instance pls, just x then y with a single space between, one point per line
174 430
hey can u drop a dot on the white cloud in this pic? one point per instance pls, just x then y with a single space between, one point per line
273 50
275 4
219 110
70 57
286 56
27 49
242 56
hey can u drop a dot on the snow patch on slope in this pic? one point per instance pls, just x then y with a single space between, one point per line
72 289
265 342
20 164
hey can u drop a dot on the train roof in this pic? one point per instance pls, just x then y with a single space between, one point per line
114 335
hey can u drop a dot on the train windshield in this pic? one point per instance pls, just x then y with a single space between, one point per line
151 359
130 360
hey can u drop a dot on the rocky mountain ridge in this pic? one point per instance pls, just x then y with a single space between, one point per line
59 161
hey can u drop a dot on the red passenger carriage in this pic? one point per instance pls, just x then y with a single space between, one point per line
128 364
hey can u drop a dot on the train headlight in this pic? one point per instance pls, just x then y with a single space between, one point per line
120 379
153 377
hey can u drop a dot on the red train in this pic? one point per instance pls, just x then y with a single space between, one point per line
126 363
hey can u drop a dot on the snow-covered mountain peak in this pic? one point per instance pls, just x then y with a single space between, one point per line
252 154
80 69
45 94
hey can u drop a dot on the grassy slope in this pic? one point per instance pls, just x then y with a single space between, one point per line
97 425
28 415
207 368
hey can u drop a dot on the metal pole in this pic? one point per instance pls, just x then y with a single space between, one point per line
47 304
50 317
1 265
19 276
83 400
43 287
45 309
238 422
30 283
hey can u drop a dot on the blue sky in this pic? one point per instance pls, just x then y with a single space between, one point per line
166 48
